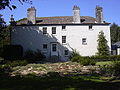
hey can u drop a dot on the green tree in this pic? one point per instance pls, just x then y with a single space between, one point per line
7 3
115 33
4 34
103 49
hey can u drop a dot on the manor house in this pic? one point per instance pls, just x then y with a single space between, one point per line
58 36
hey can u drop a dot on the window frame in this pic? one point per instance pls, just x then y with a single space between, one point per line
44 29
64 27
63 39
84 41
53 30
45 46
90 27
54 47
66 51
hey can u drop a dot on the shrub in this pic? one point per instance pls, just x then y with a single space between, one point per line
75 59
83 60
74 54
116 68
87 61
111 70
32 56
17 63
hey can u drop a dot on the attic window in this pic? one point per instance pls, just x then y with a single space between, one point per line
90 26
44 30
53 30
63 27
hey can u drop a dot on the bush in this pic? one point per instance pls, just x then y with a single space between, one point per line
83 60
17 63
75 59
87 61
74 54
12 52
111 70
32 56
7 67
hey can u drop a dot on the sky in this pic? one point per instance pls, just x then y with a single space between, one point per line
47 8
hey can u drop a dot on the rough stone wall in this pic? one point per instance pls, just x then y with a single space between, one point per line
99 14
76 14
31 15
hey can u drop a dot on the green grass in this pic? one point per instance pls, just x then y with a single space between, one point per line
30 82
101 63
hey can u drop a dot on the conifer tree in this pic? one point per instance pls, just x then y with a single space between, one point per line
103 49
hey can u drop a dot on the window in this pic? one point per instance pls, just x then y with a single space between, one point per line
84 42
63 39
63 27
90 26
44 46
44 30
54 47
53 30
66 52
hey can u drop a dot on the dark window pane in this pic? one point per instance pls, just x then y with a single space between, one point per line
53 30
44 46
54 47
84 42
63 39
90 26
44 30
66 52
63 27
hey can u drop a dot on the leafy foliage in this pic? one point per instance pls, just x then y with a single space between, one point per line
32 56
7 3
103 49
111 70
115 33
4 34
75 57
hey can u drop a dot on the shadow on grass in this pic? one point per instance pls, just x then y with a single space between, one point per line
30 82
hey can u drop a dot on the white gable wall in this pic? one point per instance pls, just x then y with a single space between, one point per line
31 37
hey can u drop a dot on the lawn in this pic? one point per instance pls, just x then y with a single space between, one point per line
31 82
57 76
104 63
101 63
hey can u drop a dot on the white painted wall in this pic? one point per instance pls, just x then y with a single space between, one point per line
31 37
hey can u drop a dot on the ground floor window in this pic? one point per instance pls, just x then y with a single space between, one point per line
54 47
66 52
44 46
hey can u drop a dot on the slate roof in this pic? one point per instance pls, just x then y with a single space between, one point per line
59 20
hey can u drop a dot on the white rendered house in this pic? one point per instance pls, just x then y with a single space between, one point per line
59 36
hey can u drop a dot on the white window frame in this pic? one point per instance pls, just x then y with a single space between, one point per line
44 29
84 41
64 39
63 26
53 28
67 52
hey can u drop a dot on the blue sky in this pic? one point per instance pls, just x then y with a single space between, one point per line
45 8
